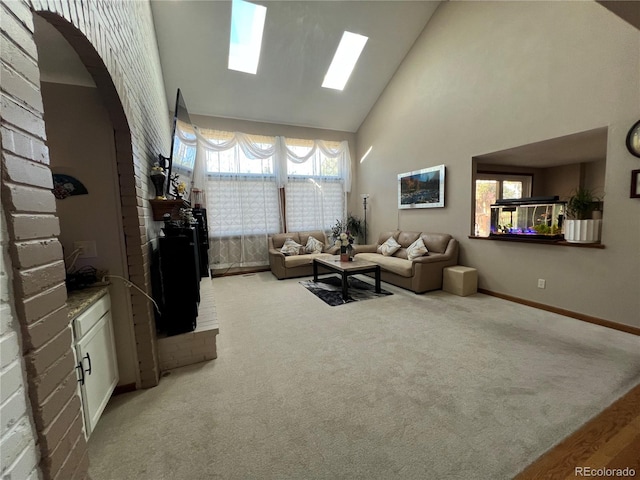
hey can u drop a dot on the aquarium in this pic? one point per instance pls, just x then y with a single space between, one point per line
535 218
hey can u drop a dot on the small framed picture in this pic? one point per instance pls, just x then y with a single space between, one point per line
421 188
635 183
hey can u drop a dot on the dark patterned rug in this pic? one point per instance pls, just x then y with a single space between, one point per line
329 289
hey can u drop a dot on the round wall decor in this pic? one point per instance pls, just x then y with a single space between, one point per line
633 139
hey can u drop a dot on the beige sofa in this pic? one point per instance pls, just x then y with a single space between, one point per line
421 274
289 266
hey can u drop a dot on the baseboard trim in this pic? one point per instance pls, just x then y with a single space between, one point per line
239 271
120 389
567 313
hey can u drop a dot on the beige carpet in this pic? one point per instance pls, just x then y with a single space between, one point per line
407 386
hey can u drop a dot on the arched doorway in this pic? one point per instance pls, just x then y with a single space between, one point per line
129 223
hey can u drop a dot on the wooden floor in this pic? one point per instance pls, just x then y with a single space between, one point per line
611 440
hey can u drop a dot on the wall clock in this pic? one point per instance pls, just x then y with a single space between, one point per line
633 139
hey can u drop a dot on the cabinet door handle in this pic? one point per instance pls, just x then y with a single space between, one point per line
81 374
88 371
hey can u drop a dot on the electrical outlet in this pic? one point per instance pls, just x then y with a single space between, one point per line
87 249
542 283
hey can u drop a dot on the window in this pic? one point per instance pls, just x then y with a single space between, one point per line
245 40
255 185
344 60
491 187
314 194
242 193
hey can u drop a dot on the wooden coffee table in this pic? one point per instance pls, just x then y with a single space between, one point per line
345 269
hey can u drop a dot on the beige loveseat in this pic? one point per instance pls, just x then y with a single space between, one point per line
419 275
301 265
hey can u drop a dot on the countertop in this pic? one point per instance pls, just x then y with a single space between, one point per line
79 300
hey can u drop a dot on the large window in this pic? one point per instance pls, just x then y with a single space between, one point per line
491 187
242 194
314 194
257 185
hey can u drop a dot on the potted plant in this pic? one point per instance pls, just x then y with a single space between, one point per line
579 226
342 238
355 226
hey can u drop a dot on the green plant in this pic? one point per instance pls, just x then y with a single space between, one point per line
581 203
354 225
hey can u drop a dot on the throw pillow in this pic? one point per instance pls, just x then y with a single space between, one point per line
389 247
313 245
290 247
416 249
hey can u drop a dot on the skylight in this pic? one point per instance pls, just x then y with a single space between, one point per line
245 41
344 60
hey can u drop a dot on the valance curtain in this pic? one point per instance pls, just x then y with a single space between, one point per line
246 179
209 140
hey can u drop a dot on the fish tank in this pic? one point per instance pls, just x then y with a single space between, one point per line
538 218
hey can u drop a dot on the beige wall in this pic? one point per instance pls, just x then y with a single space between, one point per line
488 76
80 139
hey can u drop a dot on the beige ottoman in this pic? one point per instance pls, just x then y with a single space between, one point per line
460 280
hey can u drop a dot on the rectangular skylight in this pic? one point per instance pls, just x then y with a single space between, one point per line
344 60
245 41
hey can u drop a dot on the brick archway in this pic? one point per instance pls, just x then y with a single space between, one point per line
36 257
132 197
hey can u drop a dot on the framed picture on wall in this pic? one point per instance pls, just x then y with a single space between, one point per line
635 183
421 188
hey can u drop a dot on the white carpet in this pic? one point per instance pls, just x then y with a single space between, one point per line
400 387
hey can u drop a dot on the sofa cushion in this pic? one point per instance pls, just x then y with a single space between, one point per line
302 260
401 253
416 249
384 236
317 234
396 265
313 245
290 247
279 239
436 242
389 247
405 239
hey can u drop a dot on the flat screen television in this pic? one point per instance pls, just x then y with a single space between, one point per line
183 150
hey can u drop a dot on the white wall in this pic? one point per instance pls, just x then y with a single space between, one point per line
488 76
80 139
18 454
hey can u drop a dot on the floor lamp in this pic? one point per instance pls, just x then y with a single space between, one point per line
365 197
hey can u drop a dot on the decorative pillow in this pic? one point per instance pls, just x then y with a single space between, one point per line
416 249
389 247
290 247
313 245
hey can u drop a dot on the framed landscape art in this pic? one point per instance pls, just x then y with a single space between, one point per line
421 188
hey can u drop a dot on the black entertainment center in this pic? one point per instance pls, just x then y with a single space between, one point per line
183 256
183 249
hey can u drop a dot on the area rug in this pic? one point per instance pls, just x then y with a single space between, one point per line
329 290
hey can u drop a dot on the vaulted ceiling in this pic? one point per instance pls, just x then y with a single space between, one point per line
300 38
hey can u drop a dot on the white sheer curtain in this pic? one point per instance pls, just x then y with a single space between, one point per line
243 176
317 181
237 173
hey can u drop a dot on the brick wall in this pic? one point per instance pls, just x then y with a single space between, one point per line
116 41
18 452
187 348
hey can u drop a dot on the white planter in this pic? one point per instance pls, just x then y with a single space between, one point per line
582 231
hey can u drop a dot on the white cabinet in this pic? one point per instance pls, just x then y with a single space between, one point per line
96 362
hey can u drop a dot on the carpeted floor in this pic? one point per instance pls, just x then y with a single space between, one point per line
407 386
